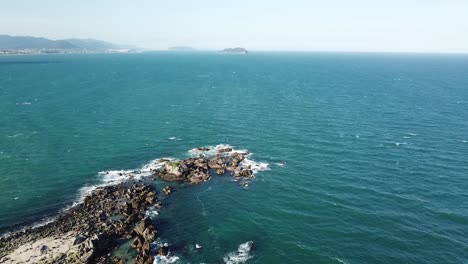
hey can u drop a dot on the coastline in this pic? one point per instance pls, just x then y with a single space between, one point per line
114 217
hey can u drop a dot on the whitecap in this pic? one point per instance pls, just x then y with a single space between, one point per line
242 254
174 138
15 135
340 260
400 143
24 103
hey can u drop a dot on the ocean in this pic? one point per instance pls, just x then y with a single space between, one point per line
365 155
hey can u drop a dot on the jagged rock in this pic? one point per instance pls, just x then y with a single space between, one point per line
146 249
144 259
149 233
132 218
78 240
167 190
201 163
44 249
225 150
137 242
245 173
142 225
127 209
171 177
221 171
176 168
238 156
215 164
86 256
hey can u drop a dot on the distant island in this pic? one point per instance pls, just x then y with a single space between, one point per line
24 45
181 48
235 51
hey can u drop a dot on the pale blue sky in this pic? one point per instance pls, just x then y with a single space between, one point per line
331 25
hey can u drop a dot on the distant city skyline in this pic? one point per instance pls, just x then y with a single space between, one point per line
294 25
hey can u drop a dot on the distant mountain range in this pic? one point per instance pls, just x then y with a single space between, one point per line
27 42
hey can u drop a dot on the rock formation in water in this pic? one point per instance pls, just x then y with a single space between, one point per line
111 215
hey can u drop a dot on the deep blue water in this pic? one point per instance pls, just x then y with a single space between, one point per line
375 146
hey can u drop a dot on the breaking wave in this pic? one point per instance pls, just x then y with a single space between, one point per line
243 253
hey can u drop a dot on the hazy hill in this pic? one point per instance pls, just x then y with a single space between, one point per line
26 42
10 42
91 44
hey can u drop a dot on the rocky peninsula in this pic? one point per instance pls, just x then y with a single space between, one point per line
115 216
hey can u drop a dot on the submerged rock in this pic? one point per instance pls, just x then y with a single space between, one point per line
167 190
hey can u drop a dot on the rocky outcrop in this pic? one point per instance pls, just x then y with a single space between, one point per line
107 215
112 214
197 170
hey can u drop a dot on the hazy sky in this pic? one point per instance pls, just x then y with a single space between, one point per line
327 25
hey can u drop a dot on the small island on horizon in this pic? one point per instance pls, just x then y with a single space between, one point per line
235 51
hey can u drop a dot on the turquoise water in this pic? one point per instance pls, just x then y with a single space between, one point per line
375 145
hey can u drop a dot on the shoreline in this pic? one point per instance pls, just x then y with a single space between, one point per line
113 217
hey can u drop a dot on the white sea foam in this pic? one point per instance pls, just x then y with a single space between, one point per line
242 254
23 103
165 259
39 223
174 138
253 165
113 177
400 143
158 259
152 212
